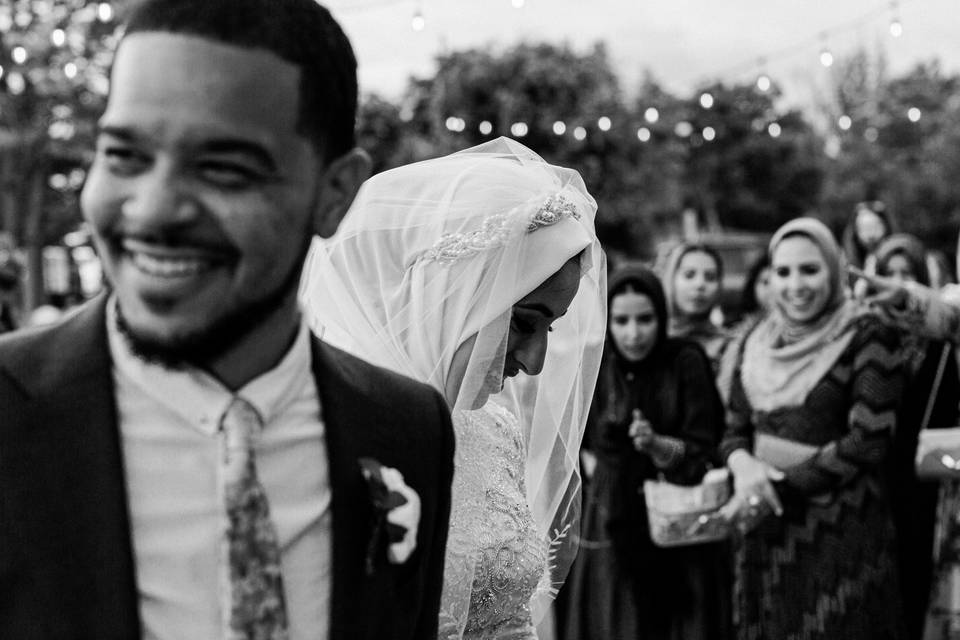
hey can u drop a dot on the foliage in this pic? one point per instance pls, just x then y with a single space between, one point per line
55 56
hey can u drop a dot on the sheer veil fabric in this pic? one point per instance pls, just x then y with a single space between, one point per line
432 256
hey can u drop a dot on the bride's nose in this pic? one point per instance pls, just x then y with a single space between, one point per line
531 352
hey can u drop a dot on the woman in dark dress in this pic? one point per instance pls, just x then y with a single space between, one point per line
655 412
811 416
930 401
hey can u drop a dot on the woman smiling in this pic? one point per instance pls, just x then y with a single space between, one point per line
812 409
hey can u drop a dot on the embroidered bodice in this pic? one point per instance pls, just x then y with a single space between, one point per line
496 559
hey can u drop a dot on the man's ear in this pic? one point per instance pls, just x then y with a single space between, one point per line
341 180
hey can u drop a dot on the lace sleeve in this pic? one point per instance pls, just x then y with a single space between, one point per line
496 558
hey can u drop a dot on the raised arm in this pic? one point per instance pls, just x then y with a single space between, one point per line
914 307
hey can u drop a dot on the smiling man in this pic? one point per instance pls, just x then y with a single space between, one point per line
180 458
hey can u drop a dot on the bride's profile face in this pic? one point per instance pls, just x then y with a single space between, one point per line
530 322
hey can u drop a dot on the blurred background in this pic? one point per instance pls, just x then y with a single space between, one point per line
686 118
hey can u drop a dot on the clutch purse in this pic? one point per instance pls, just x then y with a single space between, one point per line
679 515
938 450
938 453
780 452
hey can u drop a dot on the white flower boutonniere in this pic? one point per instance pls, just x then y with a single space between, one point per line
396 510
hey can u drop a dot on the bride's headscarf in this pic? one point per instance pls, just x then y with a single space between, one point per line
433 253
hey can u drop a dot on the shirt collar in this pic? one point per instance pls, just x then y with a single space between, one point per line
198 397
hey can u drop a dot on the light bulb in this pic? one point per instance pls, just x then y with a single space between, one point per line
417 23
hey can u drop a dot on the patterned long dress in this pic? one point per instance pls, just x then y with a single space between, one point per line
827 568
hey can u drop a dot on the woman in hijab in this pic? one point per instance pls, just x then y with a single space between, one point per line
811 415
692 281
929 402
869 224
455 271
655 413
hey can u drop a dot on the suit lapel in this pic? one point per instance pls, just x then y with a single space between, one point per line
70 433
350 520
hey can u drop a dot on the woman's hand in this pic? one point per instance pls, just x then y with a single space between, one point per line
753 492
641 432
887 294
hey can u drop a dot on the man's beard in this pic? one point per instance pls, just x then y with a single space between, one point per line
206 344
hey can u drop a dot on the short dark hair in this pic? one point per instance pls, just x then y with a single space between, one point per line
299 31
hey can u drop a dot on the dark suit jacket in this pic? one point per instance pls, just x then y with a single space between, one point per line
66 561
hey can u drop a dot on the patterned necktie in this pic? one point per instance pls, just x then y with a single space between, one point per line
253 604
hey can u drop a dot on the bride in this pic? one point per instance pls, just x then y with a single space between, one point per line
453 271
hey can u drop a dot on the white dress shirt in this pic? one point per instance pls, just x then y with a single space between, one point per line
169 424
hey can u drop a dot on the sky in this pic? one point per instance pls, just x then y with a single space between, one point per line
683 43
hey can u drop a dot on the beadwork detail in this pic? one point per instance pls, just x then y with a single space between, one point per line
497 230
494 551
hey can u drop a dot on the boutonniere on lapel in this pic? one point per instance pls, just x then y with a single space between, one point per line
396 510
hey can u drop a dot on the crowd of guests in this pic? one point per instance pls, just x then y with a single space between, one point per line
814 399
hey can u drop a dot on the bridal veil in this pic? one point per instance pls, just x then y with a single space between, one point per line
435 254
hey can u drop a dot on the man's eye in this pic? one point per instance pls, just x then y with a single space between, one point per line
124 160
227 174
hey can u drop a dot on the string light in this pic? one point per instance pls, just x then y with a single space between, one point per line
58 37
604 123
486 128
651 115
19 55
913 114
706 100
709 133
871 134
763 82
826 58
683 129
418 22
519 129
70 70
580 133
643 134
16 83
896 27
1 70
844 122
559 128
455 124
104 12
774 130
6 22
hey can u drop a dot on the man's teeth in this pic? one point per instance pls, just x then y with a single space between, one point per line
169 267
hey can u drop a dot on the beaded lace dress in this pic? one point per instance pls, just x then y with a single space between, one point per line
493 548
